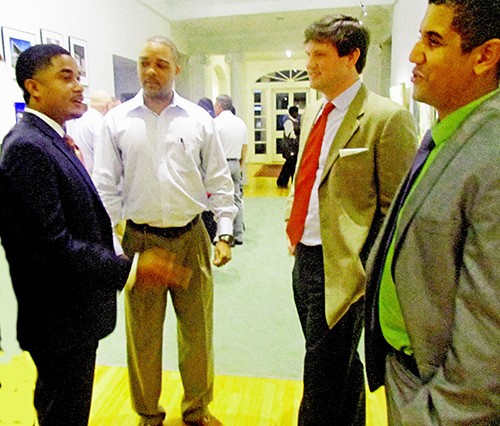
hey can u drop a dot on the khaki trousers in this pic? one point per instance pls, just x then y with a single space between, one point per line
145 314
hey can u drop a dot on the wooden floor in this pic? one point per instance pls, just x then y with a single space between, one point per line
238 401
261 186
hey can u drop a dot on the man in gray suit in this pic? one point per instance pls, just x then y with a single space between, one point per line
433 296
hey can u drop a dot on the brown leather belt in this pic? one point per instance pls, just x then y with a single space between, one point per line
162 232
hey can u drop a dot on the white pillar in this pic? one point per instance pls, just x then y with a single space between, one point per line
197 65
238 81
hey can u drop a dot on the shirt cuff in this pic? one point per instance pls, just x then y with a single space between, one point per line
225 226
117 245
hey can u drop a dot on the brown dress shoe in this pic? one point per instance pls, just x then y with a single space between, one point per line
204 421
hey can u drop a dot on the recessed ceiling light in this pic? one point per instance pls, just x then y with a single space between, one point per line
288 53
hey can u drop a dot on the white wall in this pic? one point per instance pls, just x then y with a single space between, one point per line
110 27
405 25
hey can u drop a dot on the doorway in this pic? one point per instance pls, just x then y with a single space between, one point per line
273 94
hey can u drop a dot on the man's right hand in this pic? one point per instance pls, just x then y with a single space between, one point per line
157 267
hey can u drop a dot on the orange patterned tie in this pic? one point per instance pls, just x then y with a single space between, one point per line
306 177
71 143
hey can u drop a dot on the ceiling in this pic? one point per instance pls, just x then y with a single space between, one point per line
261 29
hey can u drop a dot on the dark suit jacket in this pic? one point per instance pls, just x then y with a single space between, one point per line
446 269
58 242
371 153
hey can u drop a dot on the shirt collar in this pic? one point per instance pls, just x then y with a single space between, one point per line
343 100
443 130
53 124
138 101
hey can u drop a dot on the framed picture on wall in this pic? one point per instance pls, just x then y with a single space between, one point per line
14 43
79 51
50 37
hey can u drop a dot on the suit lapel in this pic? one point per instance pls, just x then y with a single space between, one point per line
347 128
449 151
60 145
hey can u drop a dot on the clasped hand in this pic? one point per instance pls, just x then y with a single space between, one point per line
158 267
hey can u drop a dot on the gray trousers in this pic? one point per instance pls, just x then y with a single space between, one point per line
235 168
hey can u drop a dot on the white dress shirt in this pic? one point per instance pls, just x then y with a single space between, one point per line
85 131
233 134
288 127
158 168
312 231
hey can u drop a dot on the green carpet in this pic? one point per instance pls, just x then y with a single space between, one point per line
256 329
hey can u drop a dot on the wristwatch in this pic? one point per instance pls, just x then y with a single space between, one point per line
227 238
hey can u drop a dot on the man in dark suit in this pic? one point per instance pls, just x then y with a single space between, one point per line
433 298
58 240
352 168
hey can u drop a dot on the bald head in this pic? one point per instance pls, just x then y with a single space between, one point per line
102 101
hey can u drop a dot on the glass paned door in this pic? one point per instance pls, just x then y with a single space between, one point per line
283 99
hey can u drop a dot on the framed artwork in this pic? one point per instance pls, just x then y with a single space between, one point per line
14 43
19 107
50 37
79 51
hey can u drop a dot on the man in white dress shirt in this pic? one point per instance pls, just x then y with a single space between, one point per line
86 129
233 134
155 164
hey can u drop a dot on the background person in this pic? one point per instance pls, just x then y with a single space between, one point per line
433 298
233 135
291 135
207 105
86 129
207 216
357 148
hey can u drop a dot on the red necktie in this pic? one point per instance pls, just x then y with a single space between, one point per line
71 143
306 177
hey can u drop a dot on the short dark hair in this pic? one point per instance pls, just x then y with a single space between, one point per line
207 104
477 21
34 59
293 109
345 33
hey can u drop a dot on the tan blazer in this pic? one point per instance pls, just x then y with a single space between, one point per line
356 190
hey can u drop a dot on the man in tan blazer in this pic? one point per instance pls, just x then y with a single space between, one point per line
433 296
366 149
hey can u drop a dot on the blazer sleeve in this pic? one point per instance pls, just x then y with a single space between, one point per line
394 154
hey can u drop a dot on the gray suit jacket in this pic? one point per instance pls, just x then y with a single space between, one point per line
447 273
356 190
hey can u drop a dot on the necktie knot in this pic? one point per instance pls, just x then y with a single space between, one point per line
69 141
327 109
427 143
